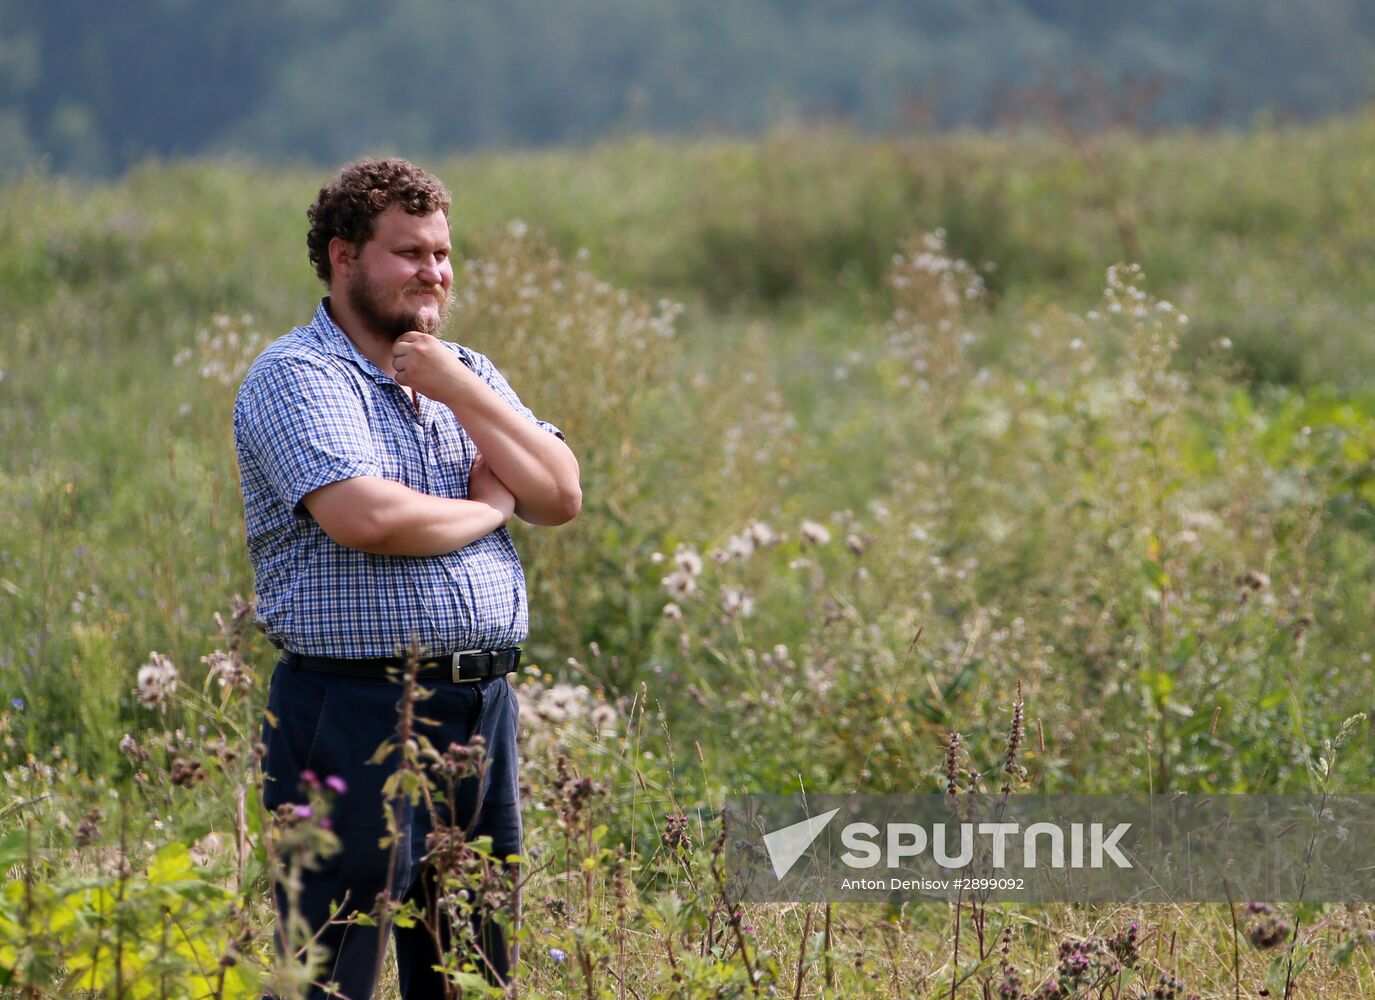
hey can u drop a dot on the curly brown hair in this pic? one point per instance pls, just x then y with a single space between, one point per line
349 205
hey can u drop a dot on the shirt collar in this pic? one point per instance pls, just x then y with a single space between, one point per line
335 341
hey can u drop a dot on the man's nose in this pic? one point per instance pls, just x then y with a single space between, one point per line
435 272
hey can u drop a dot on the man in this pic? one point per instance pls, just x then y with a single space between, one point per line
379 466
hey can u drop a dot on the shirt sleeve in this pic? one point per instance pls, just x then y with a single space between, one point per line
485 370
306 428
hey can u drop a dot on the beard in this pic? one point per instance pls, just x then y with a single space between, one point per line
368 300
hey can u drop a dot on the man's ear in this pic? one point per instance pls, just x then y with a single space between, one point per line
342 254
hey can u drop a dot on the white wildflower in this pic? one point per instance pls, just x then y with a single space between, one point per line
761 534
570 698
228 671
680 584
672 612
740 547
687 560
735 601
552 713
604 718
815 534
157 679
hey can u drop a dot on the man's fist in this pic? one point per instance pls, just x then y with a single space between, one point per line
425 364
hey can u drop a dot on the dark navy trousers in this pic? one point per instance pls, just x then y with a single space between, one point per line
332 725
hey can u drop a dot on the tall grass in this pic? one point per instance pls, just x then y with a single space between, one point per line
870 434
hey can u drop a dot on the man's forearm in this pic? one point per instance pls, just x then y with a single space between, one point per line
432 526
535 465
386 518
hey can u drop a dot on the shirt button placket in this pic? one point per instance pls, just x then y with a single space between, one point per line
426 430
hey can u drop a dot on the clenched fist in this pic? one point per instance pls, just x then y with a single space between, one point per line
425 364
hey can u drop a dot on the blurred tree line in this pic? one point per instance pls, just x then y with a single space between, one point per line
92 87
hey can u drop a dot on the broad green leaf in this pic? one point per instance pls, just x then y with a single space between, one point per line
172 863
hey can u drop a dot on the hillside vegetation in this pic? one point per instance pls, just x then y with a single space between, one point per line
877 440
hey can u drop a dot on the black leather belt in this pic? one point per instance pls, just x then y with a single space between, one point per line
466 667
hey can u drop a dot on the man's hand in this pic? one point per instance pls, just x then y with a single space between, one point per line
531 463
424 364
485 487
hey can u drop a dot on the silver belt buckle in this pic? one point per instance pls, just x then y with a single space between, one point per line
454 667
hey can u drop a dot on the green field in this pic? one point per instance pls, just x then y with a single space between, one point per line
876 392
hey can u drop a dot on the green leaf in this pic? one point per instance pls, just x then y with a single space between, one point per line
1159 683
474 985
171 864
253 808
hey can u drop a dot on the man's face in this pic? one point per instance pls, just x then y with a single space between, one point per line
401 278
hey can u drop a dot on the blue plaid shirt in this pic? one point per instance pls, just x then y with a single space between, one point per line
312 411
